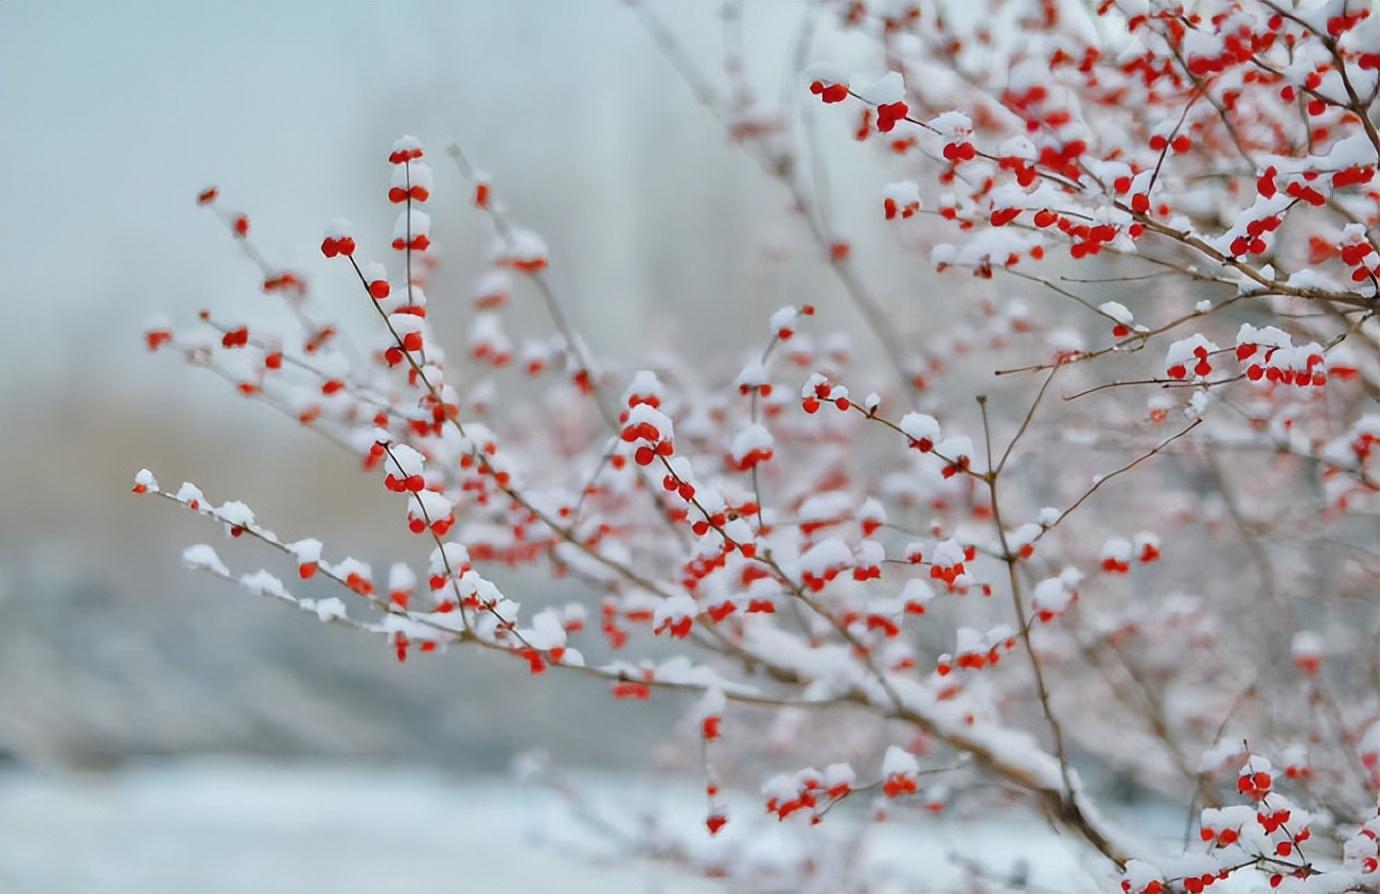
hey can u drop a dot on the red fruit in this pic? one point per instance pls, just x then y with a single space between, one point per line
834 93
379 289
959 152
628 690
342 246
889 113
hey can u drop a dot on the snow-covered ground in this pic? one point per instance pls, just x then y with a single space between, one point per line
212 826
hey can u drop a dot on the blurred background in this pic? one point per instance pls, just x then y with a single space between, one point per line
116 115
182 734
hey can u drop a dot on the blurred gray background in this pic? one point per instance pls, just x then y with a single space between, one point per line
114 116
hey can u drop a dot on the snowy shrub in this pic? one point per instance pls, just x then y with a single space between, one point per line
1149 553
